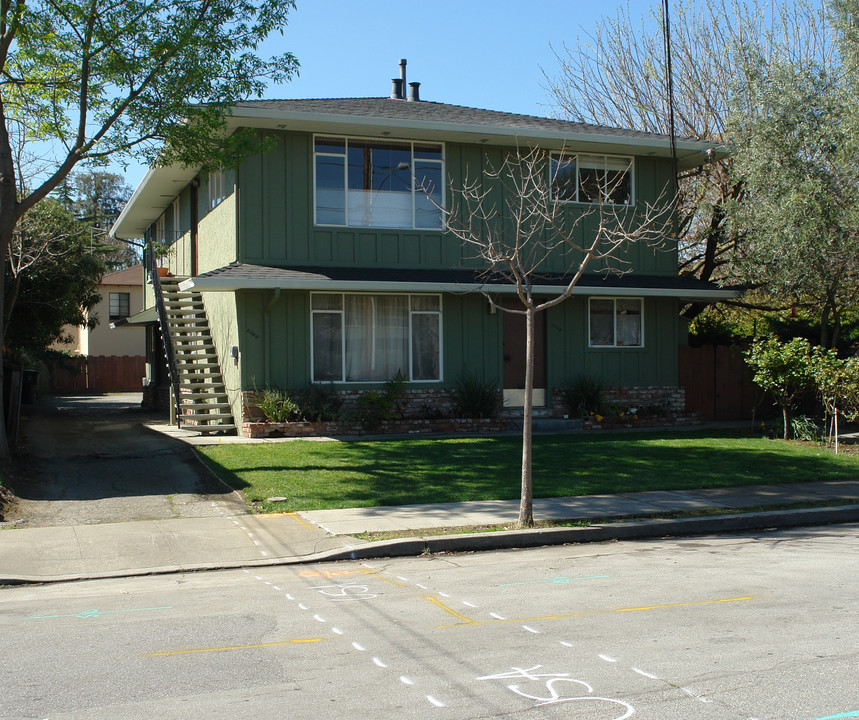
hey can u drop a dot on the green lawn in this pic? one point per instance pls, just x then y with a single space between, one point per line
314 475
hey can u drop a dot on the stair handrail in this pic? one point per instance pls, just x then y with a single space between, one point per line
165 327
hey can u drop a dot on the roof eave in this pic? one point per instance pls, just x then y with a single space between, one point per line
691 153
218 284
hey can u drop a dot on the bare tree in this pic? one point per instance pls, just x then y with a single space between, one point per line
616 76
509 218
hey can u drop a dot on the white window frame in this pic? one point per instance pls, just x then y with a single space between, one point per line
614 326
217 184
559 155
177 225
119 297
342 313
415 190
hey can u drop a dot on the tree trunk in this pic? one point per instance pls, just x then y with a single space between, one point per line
8 220
786 417
526 502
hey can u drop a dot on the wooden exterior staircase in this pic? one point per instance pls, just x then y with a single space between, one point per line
202 404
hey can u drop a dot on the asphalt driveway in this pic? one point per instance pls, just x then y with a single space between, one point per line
86 460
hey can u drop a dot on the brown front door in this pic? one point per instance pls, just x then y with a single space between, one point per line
513 348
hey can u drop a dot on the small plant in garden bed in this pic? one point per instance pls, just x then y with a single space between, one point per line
320 403
377 406
277 405
474 398
583 396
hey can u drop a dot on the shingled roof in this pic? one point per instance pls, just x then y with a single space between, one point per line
394 109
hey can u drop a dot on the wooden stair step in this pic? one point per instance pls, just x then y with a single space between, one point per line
207 416
210 428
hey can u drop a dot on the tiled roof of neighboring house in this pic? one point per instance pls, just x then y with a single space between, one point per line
128 276
391 109
243 275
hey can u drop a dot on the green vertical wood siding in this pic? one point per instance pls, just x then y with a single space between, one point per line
276 348
276 216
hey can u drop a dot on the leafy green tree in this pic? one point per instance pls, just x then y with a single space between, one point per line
836 382
784 369
52 278
799 163
96 198
101 79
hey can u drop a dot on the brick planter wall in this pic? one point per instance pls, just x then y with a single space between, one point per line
654 406
429 411
394 427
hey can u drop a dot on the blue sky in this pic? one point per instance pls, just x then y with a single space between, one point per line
484 53
480 53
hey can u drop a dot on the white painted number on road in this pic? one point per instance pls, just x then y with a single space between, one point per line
351 591
552 683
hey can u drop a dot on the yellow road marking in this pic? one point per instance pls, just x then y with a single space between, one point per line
299 520
470 621
452 612
235 647
387 580
508 620
700 602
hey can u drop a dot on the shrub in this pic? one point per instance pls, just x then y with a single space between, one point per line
784 369
277 405
378 406
805 428
476 398
320 403
583 396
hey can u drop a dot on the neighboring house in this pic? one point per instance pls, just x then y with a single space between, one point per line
115 357
322 261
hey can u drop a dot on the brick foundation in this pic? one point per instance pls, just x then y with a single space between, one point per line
393 427
430 411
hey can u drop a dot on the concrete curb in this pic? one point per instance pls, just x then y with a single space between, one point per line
505 540
538 537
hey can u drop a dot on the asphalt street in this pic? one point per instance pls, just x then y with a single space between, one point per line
739 627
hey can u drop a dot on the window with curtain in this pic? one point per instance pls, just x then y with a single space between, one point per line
616 322
371 338
378 183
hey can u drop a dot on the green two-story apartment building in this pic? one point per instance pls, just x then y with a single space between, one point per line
325 259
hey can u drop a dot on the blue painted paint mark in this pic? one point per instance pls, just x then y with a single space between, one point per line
86 614
855 713
555 580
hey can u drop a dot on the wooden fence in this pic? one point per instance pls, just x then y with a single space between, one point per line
96 374
719 385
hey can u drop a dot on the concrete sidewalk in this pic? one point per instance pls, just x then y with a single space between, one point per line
187 544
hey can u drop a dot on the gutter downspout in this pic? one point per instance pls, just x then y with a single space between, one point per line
266 329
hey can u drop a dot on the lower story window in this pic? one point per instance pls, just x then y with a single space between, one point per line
371 338
616 322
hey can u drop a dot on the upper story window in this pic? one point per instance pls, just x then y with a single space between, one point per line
592 178
217 189
119 305
378 183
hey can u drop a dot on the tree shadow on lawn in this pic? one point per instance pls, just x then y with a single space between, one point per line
431 471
